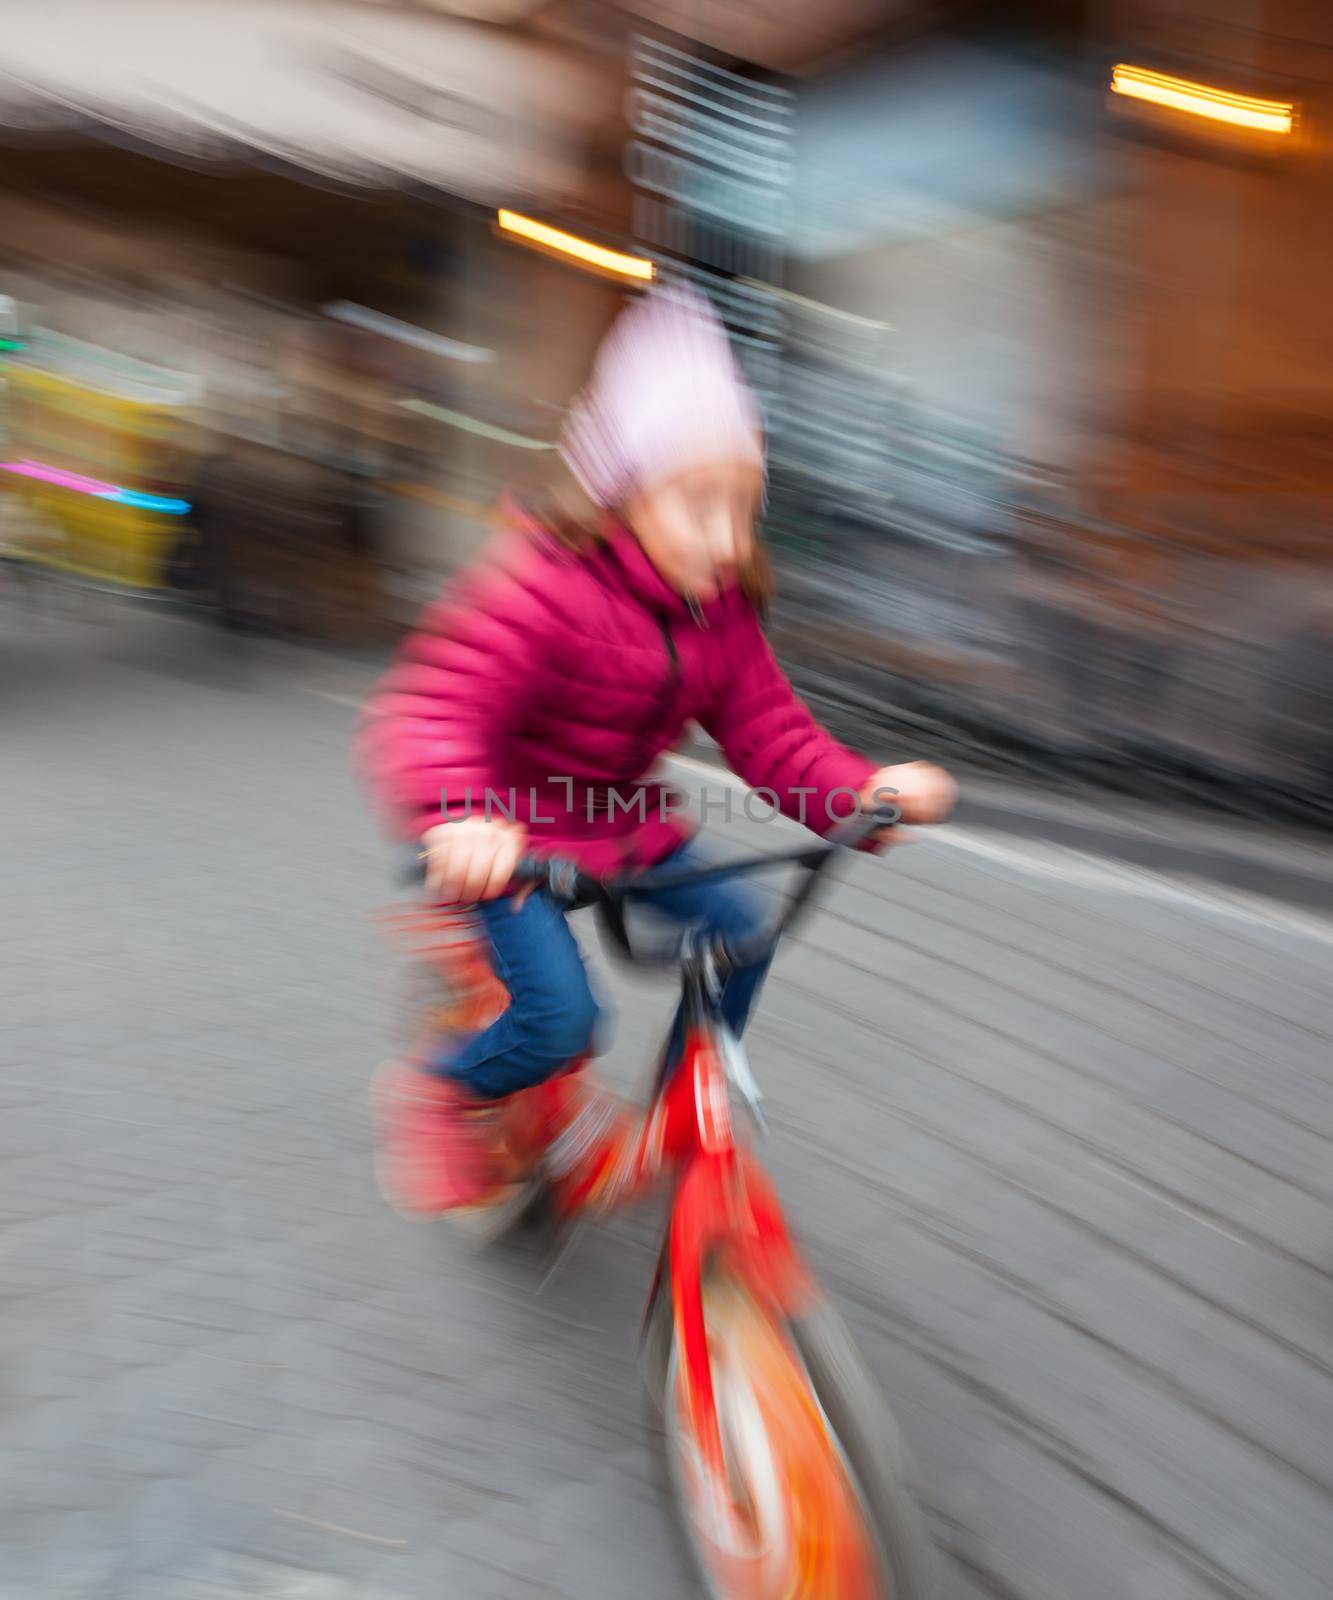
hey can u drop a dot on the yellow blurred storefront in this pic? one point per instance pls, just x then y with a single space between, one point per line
98 452
264 234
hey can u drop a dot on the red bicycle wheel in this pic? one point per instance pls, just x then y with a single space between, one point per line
792 1517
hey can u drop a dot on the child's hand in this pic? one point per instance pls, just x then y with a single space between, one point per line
472 859
921 791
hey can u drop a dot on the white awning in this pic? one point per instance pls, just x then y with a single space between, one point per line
353 93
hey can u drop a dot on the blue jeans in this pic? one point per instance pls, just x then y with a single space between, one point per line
552 1014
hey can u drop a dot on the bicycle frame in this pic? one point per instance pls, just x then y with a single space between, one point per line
724 1207
723 1203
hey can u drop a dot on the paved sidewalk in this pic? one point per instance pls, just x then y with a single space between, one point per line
1055 1129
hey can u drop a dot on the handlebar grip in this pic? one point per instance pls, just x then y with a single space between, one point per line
560 877
858 828
531 870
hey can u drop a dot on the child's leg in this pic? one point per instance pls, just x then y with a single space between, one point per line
551 1011
732 908
444 1140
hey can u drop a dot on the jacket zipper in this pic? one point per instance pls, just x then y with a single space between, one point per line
659 708
664 701
673 676
673 654
660 705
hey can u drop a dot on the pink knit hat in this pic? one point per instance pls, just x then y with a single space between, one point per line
665 395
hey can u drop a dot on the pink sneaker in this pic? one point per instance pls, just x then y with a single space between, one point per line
437 1147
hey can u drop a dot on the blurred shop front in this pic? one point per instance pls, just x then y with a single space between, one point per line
253 283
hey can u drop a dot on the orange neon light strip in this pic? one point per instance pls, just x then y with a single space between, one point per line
569 244
1200 100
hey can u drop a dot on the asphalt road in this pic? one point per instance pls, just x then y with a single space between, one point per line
1054 1126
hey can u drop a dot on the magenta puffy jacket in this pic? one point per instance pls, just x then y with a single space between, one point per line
556 680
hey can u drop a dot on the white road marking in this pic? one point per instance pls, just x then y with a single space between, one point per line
336 1527
1077 868
338 699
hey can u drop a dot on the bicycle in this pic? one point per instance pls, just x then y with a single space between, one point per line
786 1467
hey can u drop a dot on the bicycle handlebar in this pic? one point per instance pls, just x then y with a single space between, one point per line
573 889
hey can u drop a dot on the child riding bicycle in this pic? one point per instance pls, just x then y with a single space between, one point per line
521 717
